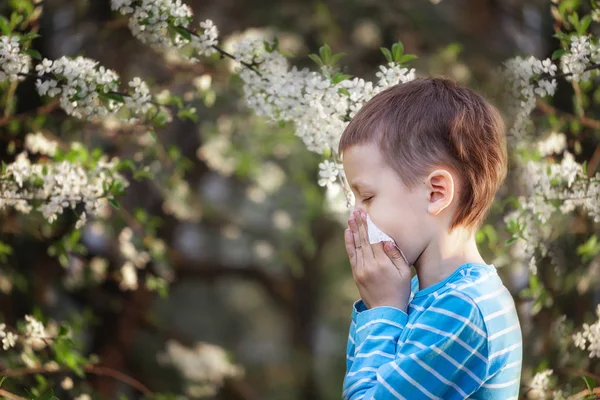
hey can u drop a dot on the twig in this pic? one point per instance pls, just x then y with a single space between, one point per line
585 121
10 396
45 109
91 369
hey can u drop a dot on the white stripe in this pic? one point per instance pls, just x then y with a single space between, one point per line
437 375
504 331
512 364
466 285
382 321
454 315
349 358
358 382
463 297
506 350
350 339
499 313
376 352
460 318
490 295
513 398
451 336
501 385
389 388
373 337
364 369
415 383
447 357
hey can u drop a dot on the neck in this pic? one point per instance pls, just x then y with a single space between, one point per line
445 254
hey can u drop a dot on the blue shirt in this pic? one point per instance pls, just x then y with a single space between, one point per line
461 338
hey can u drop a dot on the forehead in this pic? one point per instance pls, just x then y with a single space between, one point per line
363 163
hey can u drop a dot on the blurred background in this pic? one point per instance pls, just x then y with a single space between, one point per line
259 291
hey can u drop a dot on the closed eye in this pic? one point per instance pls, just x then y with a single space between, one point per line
367 199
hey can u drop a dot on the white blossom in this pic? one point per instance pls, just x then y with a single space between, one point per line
589 338
59 184
129 278
83 86
9 339
555 143
37 143
524 79
140 101
328 172
12 61
540 384
582 52
204 363
129 251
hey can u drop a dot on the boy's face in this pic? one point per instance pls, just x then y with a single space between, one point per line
397 210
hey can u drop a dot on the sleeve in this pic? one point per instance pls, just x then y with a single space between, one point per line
443 354
357 308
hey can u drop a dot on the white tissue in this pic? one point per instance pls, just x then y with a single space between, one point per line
375 234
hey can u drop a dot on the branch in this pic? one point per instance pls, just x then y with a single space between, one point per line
45 109
567 74
10 396
226 54
91 369
548 109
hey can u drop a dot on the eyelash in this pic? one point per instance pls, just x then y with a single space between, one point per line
367 200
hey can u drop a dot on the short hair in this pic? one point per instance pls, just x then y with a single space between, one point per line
435 122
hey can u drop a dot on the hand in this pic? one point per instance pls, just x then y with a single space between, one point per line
380 272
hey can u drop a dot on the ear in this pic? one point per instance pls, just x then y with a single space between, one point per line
440 187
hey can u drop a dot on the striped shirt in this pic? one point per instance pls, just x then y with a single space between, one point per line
461 338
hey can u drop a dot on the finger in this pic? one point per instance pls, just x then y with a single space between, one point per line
359 260
364 238
397 256
350 249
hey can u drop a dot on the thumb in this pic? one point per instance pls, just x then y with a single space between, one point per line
396 255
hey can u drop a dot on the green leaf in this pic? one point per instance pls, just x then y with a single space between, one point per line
182 32
4 25
397 51
387 53
511 240
2 379
558 53
589 382
406 58
316 59
114 203
344 91
584 25
325 53
26 37
63 331
33 53
118 97
339 77
49 395
337 57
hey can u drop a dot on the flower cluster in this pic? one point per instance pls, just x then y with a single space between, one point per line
540 384
583 52
84 87
133 259
9 339
164 24
328 173
12 61
58 185
37 143
319 106
205 366
525 79
590 337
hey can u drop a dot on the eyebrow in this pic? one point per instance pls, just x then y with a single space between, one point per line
359 186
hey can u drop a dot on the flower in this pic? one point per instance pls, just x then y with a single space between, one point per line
12 61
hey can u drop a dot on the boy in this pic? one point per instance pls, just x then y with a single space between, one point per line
424 160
